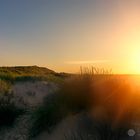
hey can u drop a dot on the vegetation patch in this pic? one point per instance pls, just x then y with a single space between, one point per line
9 111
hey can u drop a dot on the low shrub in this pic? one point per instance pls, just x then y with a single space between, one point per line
4 87
9 111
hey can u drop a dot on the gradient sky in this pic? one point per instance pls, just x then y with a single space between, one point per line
66 34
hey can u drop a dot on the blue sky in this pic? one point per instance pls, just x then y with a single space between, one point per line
55 33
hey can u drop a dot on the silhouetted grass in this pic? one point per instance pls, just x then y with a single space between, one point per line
107 98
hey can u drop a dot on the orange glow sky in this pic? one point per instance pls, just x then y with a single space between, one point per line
64 35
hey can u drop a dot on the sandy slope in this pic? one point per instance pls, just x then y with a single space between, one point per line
33 92
28 94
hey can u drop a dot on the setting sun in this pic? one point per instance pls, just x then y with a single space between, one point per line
131 43
135 61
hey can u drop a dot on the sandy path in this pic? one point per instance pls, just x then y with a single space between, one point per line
80 127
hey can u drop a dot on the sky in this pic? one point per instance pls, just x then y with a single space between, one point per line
66 34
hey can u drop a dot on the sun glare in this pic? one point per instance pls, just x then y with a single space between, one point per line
131 44
135 61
